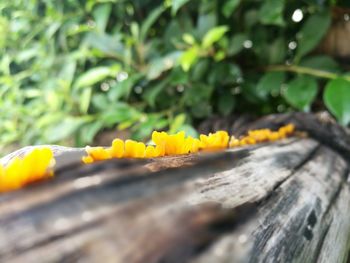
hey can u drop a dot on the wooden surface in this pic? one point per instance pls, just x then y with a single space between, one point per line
280 202
287 201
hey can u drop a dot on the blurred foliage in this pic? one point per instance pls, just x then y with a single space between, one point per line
72 68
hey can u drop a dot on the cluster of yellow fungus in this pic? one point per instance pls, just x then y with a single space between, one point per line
164 145
33 167
37 164
177 144
262 135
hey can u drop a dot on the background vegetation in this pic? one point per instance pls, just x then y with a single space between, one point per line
70 69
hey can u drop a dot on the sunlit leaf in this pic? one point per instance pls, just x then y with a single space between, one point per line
189 57
94 76
337 99
214 35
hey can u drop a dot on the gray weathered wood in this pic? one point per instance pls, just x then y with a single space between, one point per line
278 202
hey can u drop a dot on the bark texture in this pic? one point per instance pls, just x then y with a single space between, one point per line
287 201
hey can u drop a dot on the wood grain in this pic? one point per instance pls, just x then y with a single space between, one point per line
286 201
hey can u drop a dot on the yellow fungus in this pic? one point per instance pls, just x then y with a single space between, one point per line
33 167
178 144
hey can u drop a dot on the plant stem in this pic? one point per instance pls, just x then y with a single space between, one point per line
308 71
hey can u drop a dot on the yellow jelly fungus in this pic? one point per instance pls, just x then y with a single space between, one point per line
117 149
151 151
178 144
98 153
214 141
33 167
134 149
234 142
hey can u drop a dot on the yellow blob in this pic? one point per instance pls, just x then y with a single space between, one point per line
32 167
214 141
177 144
117 149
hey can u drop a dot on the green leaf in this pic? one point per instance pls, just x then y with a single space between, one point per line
64 129
270 83
100 102
178 76
159 65
229 7
226 103
85 100
101 15
150 20
320 62
205 22
95 75
110 45
189 39
189 130
150 95
277 51
118 112
149 123
213 35
176 5
224 74
337 99
176 124
197 97
312 32
200 69
189 57
236 44
271 12
89 131
301 92
123 88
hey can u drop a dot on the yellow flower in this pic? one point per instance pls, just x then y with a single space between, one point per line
33 167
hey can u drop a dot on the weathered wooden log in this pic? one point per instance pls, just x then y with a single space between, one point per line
276 202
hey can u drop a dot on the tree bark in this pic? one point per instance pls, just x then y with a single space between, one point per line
286 201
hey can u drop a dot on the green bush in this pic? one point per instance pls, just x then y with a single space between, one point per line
70 69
